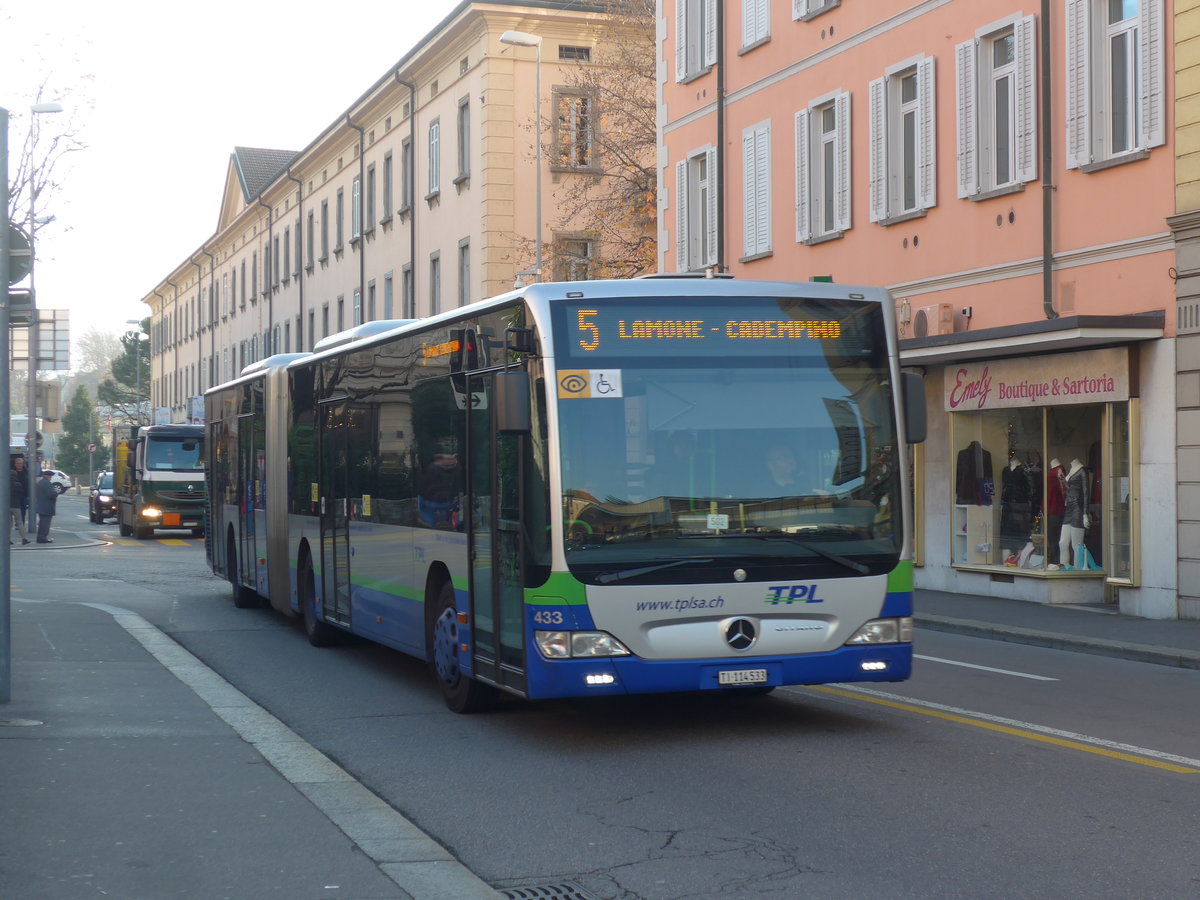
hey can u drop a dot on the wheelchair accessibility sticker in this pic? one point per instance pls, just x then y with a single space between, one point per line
589 384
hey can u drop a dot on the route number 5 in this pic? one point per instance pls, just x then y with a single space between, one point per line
589 327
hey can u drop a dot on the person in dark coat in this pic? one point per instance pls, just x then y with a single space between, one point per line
47 504
16 500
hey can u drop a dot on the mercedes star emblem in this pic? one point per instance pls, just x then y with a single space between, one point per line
740 634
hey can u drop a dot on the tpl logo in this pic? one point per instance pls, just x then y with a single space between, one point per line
792 593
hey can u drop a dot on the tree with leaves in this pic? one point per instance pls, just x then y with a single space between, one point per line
126 390
80 427
612 203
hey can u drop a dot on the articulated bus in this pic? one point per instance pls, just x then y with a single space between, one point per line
586 488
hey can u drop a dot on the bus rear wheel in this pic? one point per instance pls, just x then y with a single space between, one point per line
461 693
318 632
243 597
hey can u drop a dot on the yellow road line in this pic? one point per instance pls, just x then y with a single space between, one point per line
1007 729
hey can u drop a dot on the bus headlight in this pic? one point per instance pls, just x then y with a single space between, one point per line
884 631
151 512
578 644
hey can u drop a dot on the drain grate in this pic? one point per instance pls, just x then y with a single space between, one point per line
563 890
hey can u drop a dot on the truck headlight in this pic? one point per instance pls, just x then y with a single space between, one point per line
884 631
578 644
151 512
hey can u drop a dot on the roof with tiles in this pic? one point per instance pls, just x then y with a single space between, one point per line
257 168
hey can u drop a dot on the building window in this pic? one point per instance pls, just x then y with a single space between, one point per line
287 252
275 261
903 153
756 22
464 272
225 292
370 301
287 336
311 240
756 188
325 320
464 139
435 283
435 157
408 298
574 256
574 54
574 132
369 221
807 9
388 296
253 277
406 175
324 230
341 313
356 209
357 310
823 168
1115 95
387 187
997 108
246 286
696 211
695 37
339 220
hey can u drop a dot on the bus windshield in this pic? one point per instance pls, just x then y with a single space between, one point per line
714 436
183 454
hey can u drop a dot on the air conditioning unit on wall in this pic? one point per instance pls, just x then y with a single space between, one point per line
937 318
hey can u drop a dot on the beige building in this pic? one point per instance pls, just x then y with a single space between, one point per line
419 197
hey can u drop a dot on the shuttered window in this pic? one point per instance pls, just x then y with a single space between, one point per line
823 168
903 153
756 188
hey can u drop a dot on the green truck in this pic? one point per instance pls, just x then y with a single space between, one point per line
159 480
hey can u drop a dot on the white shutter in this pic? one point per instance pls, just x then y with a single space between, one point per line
877 144
749 192
803 193
748 22
966 61
1150 63
762 185
1024 34
681 39
712 257
799 9
841 154
927 154
1078 60
681 217
710 32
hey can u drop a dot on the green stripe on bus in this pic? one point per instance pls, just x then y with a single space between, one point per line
900 579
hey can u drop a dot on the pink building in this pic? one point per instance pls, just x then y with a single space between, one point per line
1008 173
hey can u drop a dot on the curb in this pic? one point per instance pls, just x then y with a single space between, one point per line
1149 653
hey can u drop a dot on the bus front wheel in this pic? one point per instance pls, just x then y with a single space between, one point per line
461 693
243 597
318 632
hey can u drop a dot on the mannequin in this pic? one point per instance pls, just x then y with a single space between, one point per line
1015 506
1056 492
1075 518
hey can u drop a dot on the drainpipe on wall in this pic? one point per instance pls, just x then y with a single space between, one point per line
162 358
200 336
362 206
301 269
412 183
267 273
175 316
212 284
1047 179
720 37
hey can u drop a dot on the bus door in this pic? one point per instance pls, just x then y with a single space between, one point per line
246 496
496 552
335 510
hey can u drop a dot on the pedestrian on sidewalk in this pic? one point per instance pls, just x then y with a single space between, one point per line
23 476
16 500
47 504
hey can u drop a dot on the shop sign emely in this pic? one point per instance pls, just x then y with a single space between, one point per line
1090 376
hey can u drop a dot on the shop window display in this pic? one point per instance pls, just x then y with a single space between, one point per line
1029 487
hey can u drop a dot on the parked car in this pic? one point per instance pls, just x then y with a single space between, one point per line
60 480
101 502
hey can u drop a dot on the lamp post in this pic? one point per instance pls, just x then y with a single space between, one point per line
32 467
525 39
137 356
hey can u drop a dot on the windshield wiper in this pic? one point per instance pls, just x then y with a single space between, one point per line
852 565
610 577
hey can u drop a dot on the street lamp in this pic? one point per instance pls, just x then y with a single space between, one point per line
525 39
32 468
138 366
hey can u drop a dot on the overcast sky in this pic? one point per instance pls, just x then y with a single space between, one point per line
162 92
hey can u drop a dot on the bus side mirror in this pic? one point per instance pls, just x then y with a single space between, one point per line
912 400
511 397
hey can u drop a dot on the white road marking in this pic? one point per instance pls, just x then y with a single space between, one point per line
954 662
1027 726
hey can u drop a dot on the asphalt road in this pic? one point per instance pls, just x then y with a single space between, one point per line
999 770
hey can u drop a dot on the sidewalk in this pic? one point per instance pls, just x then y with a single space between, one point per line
1092 629
132 770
